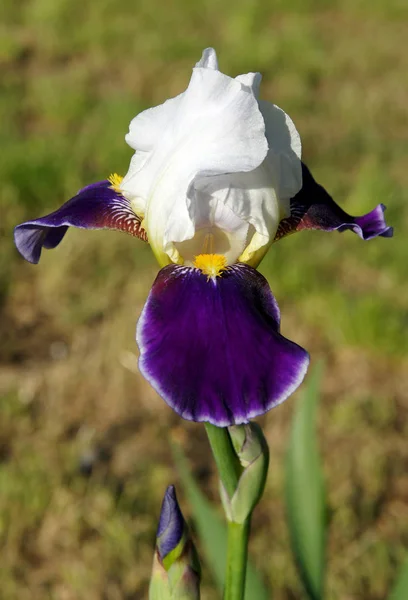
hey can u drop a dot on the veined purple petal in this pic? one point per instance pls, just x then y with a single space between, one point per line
171 524
212 348
314 208
96 206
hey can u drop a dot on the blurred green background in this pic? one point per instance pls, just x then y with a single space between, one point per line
73 75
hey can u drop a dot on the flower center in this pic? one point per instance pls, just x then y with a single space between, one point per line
211 265
115 181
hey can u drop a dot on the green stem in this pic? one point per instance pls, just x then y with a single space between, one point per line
229 469
227 461
237 556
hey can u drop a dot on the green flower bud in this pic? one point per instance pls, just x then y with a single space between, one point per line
253 453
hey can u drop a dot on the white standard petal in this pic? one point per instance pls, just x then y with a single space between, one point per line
208 59
285 150
146 129
217 230
260 197
138 203
252 198
216 128
251 82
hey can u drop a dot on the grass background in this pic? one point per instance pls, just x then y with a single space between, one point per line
73 74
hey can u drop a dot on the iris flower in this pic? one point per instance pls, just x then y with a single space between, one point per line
215 179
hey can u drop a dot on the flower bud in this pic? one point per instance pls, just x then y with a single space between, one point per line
176 568
171 529
253 453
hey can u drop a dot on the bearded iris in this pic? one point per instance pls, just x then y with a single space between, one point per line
216 178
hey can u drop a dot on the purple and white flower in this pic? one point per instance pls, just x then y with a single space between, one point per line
216 178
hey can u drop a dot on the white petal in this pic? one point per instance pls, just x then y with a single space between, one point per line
138 203
223 234
136 163
285 150
146 129
250 82
208 59
217 128
280 129
251 197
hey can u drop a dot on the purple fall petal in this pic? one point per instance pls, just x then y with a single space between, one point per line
212 348
368 226
97 206
171 524
314 208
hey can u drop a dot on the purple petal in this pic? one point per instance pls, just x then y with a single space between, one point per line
212 348
97 206
171 524
314 208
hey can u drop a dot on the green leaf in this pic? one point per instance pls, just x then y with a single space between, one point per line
212 532
400 591
305 495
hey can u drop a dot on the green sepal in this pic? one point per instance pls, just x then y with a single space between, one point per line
180 582
184 579
159 588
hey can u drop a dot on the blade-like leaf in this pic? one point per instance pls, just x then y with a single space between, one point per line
305 496
212 533
400 590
